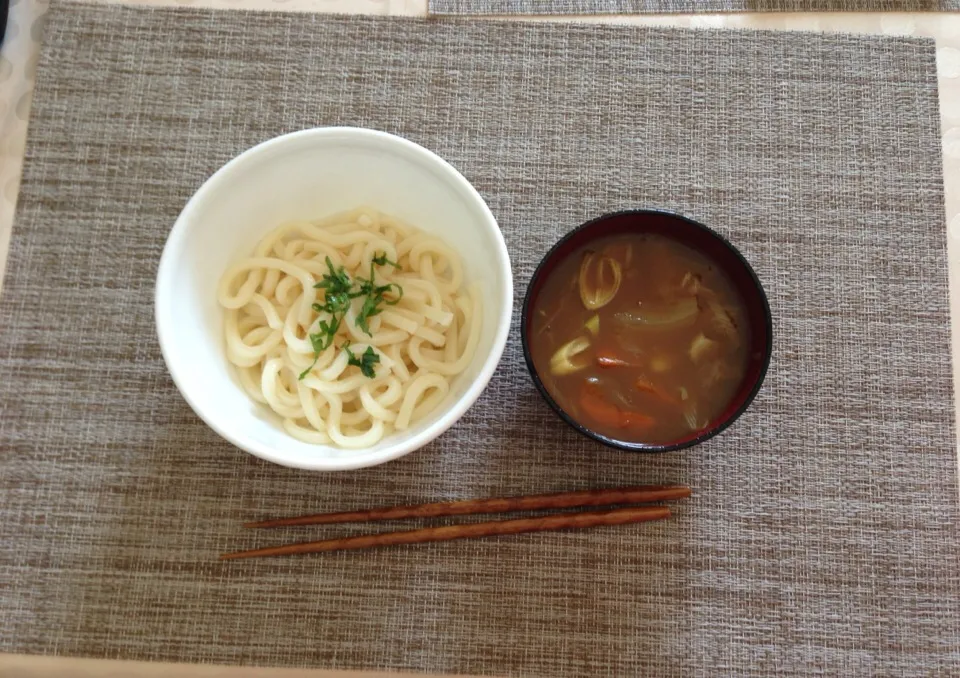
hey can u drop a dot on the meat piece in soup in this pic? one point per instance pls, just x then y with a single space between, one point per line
639 338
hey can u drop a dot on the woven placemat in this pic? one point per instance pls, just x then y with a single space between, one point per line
505 7
822 538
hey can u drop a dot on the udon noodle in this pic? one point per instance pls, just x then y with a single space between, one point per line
360 387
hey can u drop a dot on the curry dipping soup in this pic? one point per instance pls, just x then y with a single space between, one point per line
639 338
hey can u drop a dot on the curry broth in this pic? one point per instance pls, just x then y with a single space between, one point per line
639 338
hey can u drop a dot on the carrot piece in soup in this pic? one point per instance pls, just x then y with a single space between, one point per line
608 357
593 403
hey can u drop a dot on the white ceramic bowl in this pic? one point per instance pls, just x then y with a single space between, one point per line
308 175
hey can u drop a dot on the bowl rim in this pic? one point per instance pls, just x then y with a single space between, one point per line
623 445
174 245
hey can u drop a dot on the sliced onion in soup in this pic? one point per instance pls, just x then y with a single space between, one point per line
660 317
570 357
600 278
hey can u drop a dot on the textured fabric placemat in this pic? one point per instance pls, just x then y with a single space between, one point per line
823 536
505 7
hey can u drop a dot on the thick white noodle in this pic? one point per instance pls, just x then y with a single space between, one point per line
422 342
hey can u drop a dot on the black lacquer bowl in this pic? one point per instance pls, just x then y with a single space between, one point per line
723 254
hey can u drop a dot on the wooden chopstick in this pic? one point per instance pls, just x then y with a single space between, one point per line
560 521
640 494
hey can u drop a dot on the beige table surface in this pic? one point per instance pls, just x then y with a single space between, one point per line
18 61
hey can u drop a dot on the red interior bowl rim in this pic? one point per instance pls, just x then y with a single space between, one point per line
628 446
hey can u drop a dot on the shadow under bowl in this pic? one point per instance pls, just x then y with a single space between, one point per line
722 254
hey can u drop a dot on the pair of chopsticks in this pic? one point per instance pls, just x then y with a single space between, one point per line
642 494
